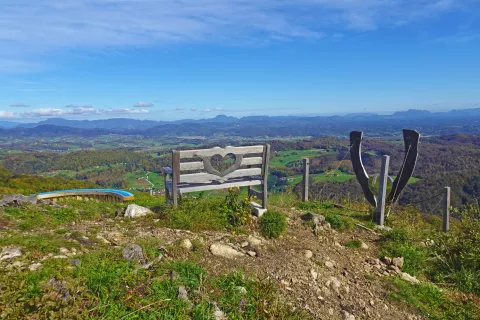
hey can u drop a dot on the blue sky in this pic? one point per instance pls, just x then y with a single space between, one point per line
170 59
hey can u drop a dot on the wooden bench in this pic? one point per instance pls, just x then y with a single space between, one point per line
192 171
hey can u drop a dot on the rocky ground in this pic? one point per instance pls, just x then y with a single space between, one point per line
310 263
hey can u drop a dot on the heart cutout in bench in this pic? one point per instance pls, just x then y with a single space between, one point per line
222 165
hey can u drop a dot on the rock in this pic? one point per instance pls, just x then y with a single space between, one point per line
102 239
120 212
135 211
387 260
364 246
398 262
222 250
60 256
348 316
186 244
219 314
34 266
64 251
405 276
314 274
173 275
75 262
241 290
60 287
337 244
10 253
308 254
382 228
133 252
252 253
334 283
329 264
244 244
254 241
14 200
183 294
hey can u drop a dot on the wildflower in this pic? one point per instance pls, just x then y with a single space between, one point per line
254 197
242 302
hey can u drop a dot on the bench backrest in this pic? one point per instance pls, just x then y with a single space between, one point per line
251 161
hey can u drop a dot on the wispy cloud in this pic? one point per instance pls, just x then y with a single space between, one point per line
45 26
79 111
213 109
19 105
78 106
179 109
193 109
6 114
141 104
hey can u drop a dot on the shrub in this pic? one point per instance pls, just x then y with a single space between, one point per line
235 210
273 224
353 244
337 222
456 254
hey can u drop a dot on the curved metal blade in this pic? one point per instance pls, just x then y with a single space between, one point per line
360 172
410 138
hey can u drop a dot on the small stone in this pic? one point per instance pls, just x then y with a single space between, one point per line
398 262
133 252
252 253
186 244
34 266
308 254
222 250
334 283
348 316
135 211
387 260
241 290
244 244
337 244
75 262
405 276
314 274
10 253
102 239
364 246
183 294
329 264
255 241
173 275
60 256
64 251
219 314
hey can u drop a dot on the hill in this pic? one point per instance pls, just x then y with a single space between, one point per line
78 260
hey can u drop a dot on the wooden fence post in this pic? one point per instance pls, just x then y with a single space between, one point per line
382 191
446 210
306 173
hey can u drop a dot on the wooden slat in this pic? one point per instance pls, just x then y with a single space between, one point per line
205 177
190 166
221 151
206 187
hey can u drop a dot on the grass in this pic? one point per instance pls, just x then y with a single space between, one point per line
430 301
353 244
272 224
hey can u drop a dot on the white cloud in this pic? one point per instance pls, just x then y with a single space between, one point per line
78 111
193 109
46 26
6 114
77 106
19 105
213 109
141 104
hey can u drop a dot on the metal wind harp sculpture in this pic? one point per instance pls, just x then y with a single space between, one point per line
410 138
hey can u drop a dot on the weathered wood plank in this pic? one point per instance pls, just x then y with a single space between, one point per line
175 176
205 177
266 159
207 187
198 165
221 151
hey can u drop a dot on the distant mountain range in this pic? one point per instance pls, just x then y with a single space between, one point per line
431 123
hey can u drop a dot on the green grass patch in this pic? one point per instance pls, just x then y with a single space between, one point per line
282 158
272 224
432 302
353 244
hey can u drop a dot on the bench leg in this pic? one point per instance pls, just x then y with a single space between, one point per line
264 196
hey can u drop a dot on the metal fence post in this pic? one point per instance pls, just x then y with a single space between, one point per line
382 191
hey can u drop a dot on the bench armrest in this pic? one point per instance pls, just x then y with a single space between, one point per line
167 170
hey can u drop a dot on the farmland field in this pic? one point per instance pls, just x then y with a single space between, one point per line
283 158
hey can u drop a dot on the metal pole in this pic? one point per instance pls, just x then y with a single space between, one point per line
446 210
382 191
306 172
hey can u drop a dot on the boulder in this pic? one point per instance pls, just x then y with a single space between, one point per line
10 253
16 200
135 211
133 252
254 241
223 250
398 262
